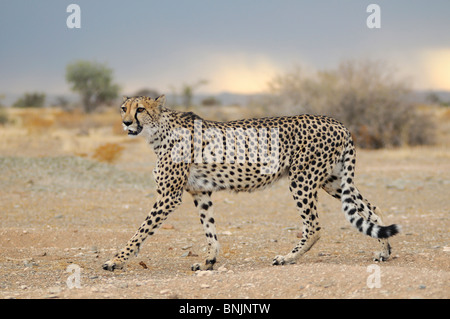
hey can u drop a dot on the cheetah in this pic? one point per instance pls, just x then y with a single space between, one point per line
201 156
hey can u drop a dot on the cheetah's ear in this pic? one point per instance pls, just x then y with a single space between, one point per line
124 98
161 100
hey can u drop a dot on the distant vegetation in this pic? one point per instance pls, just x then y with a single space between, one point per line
94 82
148 92
34 99
186 92
3 114
433 98
366 96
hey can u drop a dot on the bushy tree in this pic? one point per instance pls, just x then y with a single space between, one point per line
93 81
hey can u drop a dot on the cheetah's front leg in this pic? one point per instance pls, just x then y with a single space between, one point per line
162 208
202 200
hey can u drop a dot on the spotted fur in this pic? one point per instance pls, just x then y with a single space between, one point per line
201 157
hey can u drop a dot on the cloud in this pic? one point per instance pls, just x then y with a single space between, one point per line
240 72
436 66
224 71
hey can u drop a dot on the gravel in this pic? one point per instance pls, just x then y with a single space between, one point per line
62 211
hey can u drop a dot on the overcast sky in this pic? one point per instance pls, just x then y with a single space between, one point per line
236 45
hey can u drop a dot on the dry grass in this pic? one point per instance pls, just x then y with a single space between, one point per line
43 119
33 121
108 152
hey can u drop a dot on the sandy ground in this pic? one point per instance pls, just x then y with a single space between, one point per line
63 216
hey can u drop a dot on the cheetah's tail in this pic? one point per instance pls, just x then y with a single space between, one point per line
350 197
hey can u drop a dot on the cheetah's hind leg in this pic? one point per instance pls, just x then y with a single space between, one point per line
305 196
369 212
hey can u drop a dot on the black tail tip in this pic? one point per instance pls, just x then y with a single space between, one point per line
388 231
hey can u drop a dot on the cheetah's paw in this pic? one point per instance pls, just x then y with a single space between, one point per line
278 260
113 264
198 266
380 256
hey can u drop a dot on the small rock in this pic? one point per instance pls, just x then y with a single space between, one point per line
222 269
164 291
201 273
54 290
397 184
123 285
30 263
226 233
205 286
189 254
167 226
422 286
94 249
186 247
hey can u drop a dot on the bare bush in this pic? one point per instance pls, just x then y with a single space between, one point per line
365 96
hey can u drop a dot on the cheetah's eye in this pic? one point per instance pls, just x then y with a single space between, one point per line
124 109
140 109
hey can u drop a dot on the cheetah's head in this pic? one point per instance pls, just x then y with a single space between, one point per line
141 114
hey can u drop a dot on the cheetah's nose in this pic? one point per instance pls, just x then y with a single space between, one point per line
127 123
